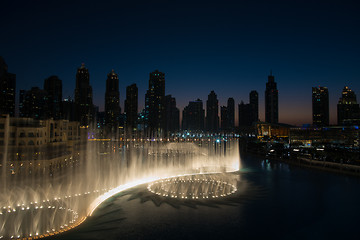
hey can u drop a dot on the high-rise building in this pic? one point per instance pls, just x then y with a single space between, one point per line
193 116
35 104
320 106
7 90
69 109
131 106
271 101
254 102
112 103
212 112
245 114
83 96
348 111
53 87
172 115
224 118
249 113
21 102
231 113
155 103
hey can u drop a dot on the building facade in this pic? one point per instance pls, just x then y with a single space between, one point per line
271 101
320 106
348 111
84 96
193 116
53 88
131 106
7 89
112 103
212 113
155 103
254 102
172 115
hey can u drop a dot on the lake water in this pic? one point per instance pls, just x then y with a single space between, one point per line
273 201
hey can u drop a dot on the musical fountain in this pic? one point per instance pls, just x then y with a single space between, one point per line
37 206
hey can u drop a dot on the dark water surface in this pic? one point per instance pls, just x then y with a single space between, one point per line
274 201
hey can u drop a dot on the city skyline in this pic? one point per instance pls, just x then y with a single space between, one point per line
141 107
229 48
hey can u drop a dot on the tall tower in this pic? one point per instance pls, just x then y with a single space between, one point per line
155 102
254 102
320 106
348 112
131 106
231 113
7 90
53 87
271 101
83 96
212 112
112 102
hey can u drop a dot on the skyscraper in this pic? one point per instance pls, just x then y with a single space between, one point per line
254 102
320 106
35 104
172 115
249 113
231 113
53 87
7 90
21 102
245 114
112 103
131 106
193 116
348 111
224 118
212 112
83 96
155 103
271 101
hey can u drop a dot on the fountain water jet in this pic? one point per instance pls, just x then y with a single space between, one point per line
106 169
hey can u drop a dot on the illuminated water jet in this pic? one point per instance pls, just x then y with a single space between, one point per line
44 206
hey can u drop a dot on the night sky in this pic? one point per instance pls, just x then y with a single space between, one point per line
226 46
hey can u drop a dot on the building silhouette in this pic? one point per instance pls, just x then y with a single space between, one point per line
231 113
212 112
320 106
35 104
271 101
7 90
193 116
249 113
53 87
254 102
224 118
22 94
155 103
84 96
172 115
348 111
245 114
131 106
69 109
112 103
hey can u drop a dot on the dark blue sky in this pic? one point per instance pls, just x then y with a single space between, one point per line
226 46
